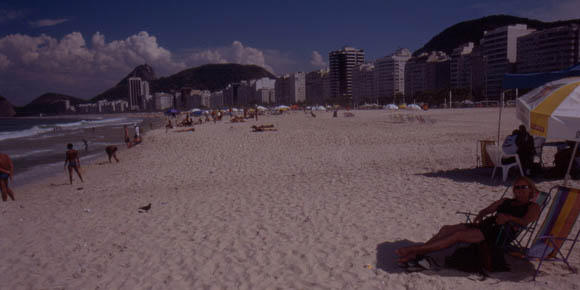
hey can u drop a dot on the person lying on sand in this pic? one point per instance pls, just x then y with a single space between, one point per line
263 128
112 152
185 130
520 210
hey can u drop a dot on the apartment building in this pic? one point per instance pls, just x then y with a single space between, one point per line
291 88
364 84
548 50
499 52
461 74
390 72
342 62
317 87
427 72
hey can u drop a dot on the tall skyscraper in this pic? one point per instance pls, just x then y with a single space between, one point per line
499 50
390 72
461 69
135 93
342 63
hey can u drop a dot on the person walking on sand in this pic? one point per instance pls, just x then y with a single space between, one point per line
6 171
72 159
86 144
127 139
112 152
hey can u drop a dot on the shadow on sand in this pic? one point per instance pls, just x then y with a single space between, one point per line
521 269
470 175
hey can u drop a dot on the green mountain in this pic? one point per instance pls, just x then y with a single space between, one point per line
472 31
47 104
211 77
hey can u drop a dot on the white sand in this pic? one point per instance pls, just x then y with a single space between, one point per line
307 207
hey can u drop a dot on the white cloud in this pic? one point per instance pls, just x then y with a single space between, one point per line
8 15
47 22
317 60
235 53
32 65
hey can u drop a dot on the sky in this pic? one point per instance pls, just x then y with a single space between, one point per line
82 48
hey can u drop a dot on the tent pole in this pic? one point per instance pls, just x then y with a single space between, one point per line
499 123
567 176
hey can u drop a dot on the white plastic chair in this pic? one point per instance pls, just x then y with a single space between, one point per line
497 155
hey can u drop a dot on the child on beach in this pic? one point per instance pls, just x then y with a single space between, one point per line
6 171
72 159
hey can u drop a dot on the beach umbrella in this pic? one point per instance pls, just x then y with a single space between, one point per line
391 107
553 111
261 108
171 111
414 107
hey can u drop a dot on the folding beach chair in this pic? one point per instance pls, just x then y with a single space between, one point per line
550 239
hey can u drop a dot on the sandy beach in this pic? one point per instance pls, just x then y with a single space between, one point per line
322 203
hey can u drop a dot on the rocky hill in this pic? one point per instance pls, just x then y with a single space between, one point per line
6 109
211 77
47 104
121 90
472 31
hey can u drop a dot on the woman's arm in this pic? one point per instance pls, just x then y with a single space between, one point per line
488 210
532 214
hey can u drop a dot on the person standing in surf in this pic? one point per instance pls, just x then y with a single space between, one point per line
72 159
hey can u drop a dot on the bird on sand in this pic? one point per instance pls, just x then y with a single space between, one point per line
145 208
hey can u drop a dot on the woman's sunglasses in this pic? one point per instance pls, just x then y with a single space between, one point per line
521 186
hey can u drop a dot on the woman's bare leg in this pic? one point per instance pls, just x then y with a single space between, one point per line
443 233
78 173
70 174
470 235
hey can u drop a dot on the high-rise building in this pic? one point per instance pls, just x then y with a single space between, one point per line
291 88
461 70
390 72
265 91
342 63
364 84
135 93
427 72
548 50
163 101
317 87
499 52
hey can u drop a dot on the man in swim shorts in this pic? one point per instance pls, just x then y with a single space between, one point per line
6 172
72 159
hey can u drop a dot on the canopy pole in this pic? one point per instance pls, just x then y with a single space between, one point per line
567 176
499 123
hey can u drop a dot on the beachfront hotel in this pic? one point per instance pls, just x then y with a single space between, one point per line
291 88
342 62
390 72
548 50
364 84
427 72
317 87
499 52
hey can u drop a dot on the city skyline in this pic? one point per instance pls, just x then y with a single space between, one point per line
82 49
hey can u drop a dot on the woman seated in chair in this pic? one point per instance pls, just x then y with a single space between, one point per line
520 210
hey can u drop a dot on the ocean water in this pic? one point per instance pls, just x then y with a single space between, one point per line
37 146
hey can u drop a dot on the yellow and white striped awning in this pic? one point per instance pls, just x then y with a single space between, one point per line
552 110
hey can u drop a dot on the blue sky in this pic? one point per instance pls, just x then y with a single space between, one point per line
82 48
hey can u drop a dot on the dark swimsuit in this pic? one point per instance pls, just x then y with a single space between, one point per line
491 230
